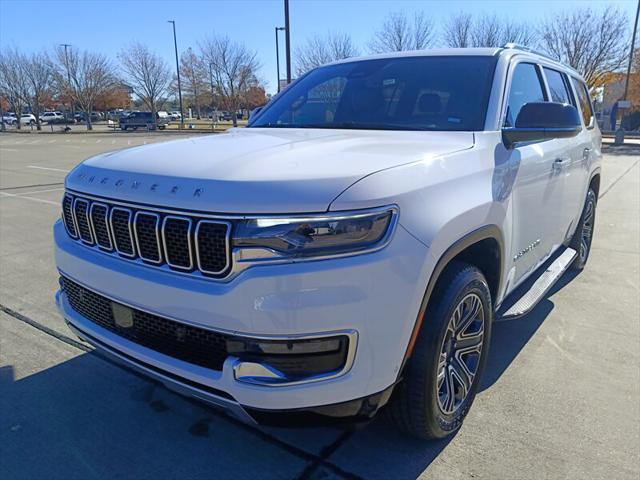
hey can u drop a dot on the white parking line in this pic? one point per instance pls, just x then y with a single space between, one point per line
13 195
48 168
39 191
52 141
9 149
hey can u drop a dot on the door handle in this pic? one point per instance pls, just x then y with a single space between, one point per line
586 153
558 164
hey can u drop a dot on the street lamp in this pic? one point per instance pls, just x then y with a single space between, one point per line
278 55
175 45
66 61
287 38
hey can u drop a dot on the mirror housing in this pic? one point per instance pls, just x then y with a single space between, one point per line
539 121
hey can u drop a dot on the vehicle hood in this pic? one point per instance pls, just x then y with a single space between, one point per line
253 171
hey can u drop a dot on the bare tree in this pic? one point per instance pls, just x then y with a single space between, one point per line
12 83
399 33
462 30
233 68
457 30
83 76
38 76
324 49
592 43
147 73
192 69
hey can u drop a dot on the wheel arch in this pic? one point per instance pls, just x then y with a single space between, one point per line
594 182
483 248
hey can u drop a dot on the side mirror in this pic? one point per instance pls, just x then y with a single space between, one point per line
538 121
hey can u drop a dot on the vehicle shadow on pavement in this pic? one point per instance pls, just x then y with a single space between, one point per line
509 337
87 418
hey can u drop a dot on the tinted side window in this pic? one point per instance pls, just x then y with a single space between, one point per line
584 100
525 88
557 86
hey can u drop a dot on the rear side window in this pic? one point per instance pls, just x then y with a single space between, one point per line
584 100
526 87
558 86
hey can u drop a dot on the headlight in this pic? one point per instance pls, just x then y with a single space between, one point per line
317 236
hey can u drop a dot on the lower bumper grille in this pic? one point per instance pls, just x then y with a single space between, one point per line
184 342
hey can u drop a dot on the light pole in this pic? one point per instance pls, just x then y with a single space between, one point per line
287 37
66 61
175 45
619 135
278 56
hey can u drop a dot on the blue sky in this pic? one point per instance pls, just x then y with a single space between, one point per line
108 26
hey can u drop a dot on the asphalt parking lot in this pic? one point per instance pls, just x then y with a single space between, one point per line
560 398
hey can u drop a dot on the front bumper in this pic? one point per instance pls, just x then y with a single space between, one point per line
376 295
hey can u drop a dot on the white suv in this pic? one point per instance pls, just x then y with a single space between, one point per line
350 248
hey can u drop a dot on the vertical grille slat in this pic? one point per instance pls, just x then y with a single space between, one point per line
177 242
67 216
212 246
121 229
189 243
147 231
98 213
81 215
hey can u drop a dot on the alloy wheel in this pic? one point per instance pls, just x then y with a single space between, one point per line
587 229
460 353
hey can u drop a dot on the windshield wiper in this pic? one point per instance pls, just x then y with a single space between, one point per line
364 126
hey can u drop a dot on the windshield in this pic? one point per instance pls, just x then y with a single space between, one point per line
406 93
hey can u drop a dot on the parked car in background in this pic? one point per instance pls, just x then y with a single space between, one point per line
164 116
82 117
175 115
10 118
52 117
137 120
27 119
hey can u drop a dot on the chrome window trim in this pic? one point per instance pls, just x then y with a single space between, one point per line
227 243
164 242
106 224
77 200
73 218
135 233
115 240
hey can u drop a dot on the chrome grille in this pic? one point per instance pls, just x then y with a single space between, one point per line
186 243
99 221
147 230
121 228
211 237
67 216
177 243
81 215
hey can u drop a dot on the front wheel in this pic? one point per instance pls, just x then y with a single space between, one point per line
582 238
441 378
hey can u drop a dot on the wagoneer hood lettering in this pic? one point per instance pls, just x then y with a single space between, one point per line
256 171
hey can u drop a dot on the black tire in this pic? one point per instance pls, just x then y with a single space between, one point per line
417 405
583 236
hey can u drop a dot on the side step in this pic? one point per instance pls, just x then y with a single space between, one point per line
541 286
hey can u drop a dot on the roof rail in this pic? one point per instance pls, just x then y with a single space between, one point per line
517 46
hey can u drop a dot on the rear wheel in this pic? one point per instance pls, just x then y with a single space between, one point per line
442 376
582 238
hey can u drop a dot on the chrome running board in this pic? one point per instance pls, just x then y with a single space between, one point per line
541 286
